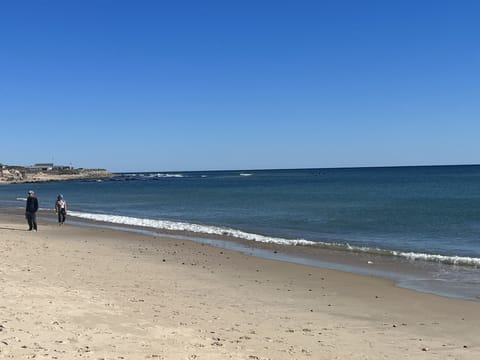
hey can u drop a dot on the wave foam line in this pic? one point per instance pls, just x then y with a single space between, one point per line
181 226
452 260
443 259
160 175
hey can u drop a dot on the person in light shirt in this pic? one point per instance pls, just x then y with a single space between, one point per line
61 209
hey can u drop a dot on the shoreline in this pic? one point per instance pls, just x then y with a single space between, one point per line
446 280
419 275
86 292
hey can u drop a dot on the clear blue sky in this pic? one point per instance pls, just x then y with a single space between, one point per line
195 85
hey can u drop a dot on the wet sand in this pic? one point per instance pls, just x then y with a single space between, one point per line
83 292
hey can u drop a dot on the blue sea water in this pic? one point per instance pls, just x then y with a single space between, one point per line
427 213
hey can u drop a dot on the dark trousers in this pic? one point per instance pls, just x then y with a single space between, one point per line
32 220
62 214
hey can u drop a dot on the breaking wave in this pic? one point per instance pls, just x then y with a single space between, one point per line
182 226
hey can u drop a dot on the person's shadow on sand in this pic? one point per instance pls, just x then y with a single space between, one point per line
13 229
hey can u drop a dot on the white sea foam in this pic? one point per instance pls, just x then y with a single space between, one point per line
444 259
245 174
161 175
454 260
182 226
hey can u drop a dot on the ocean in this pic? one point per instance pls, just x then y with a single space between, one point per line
426 216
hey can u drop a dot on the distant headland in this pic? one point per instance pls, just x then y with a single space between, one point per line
11 174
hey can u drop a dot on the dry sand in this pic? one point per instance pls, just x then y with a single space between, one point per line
76 292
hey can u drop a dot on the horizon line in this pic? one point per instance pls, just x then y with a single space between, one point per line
299 168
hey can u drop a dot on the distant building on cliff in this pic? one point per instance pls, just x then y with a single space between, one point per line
49 167
42 166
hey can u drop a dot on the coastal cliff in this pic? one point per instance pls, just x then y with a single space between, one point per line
17 174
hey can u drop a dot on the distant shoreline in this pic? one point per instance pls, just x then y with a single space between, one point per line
19 175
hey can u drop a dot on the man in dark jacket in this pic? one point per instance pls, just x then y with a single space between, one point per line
31 211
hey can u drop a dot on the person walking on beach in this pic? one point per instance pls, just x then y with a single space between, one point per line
61 209
31 211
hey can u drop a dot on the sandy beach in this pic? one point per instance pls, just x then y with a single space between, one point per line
82 292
